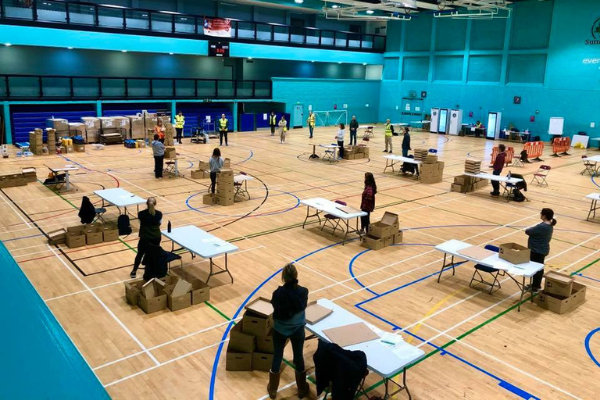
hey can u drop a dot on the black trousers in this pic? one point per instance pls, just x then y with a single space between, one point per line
297 339
352 137
341 149
213 182
142 248
158 166
365 222
221 135
179 132
496 184
537 278
273 129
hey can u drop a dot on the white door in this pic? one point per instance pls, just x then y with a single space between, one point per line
298 116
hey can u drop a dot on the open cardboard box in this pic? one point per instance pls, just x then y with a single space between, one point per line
132 291
558 284
514 253
561 305
388 226
152 297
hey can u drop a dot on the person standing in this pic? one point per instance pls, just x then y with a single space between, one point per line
215 163
539 243
158 150
367 203
289 303
150 220
159 130
311 123
273 122
389 133
353 130
406 142
340 141
223 129
498 166
282 129
179 123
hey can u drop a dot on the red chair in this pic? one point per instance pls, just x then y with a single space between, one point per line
332 219
540 176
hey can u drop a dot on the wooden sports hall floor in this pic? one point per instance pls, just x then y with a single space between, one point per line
478 346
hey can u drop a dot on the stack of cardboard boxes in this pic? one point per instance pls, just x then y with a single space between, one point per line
225 187
51 140
77 129
561 293
431 170
170 292
136 126
473 166
383 233
36 142
465 183
251 341
81 235
26 176
421 155
203 171
169 133
92 126
356 152
60 125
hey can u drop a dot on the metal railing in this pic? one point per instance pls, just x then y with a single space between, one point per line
136 21
57 87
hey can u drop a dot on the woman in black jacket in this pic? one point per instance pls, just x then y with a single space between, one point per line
150 220
289 303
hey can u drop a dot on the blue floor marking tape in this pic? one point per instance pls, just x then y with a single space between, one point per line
249 157
587 345
579 274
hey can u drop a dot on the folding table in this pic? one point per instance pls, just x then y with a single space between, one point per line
66 169
333 208
594 206
120 198
392 160
502 179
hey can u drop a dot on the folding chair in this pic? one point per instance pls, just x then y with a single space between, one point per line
169 167
99 215
332 219
368 132
509 188
57 180
364 142
241 187
495 273
540 176
590 166
330 153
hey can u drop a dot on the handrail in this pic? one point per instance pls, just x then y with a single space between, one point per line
136 20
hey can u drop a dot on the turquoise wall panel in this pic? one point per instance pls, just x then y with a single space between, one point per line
418 33
390 68
450 34
484 69
488 34
415 69
526 68
448 68
531 24
394 35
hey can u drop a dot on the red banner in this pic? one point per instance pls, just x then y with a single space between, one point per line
217 27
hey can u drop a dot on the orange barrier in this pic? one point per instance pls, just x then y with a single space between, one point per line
510 154
561 145
534 150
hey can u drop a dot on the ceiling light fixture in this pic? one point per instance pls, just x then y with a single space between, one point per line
170 54
7 44
123 51
370 12
70 48
298 1
249 58
335 6
364 63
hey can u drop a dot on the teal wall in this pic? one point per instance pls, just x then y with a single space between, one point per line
539 54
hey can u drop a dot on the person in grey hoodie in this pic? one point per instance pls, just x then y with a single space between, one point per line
539 243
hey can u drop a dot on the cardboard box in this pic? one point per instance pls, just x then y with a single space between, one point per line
264 344
256 324
181 288
80 148
224 191
75 236
236 361
152 297
225 201
110 232
170 152
458 188
514 253
240 341
200 174
561 305
58 236
200 292
558 284
203 166
372 242
397 237
431 159
208 199
93 235
226 172
386 227
227 163
179 302
262 362
132 291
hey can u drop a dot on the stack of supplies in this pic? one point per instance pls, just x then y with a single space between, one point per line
383 233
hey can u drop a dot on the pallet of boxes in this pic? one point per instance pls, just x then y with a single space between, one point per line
466 183
92 129
383 233
203 171
36 142
251 340
224 192
561 293
431 170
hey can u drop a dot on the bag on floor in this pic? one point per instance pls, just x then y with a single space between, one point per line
124 225
408 167
518 195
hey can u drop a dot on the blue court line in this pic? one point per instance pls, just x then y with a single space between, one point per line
249 157
587 345
588 277
594 180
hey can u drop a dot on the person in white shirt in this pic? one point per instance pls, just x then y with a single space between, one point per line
340 140
282 129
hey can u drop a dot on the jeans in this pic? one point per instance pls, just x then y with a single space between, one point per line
213 182
496 184
179 134
341 149
352 137
311 129
142 248
365 222
158 166
297 339
221 135
537 278
404 152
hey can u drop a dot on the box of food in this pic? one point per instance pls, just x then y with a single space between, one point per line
132 291
200 292
58 236
152 297
264 344
560 304
373 243
110 232
256 324
177 301
93 235
262 362
208 199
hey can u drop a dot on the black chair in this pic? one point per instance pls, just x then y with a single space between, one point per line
332 219
495 273
158 262
340 372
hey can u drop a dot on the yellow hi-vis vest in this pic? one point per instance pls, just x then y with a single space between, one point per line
273 120
179 121
223 124
388 130
311 120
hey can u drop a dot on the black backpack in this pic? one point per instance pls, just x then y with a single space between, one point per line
518 195
408 167
123 225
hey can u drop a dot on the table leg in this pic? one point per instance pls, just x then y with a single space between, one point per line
67 180
444 265
404 384
246 188
593 208
308 216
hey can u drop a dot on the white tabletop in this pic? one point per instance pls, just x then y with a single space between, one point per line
593 196
493 177
594 158
399 124
241 178
555 134
120 197
384 359
403 159
420 122
329 146
63 169
330 207
527 269
365 126
199 242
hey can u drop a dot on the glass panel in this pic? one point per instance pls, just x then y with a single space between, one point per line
110 17
245 30
341 39
263 32
226 89
24 87
262 89
327 38
17 9
81 14
378 43
162 88
206 89
137 19
113 87
354 40
162 22
281 33
184 24
85 87
312 36
51 11
3 87
56 87
244 89
138 87
184 88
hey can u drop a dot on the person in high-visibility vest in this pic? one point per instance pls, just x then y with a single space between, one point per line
311 123
179 123
389 133
273 122
223 129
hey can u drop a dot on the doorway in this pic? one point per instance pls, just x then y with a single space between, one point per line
298 116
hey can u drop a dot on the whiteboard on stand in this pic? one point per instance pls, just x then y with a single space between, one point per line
556 126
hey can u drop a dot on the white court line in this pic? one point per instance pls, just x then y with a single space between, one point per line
117 320
16 212
315 271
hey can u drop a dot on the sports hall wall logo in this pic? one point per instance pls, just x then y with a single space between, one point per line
595 33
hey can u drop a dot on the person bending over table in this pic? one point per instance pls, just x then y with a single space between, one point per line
150 220
216 164
368 202
539 243
158 150
406 142
353 131
289 304
498 166
340 141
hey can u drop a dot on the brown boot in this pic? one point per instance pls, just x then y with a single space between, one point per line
303 387
273 384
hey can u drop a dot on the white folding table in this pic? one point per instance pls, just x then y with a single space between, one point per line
367 130
420 123
525 270
241 185
334 209
594 206
66 169
383 359
392 160
120 198
499 178
203 244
